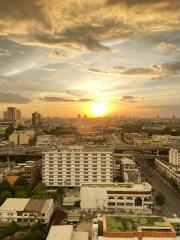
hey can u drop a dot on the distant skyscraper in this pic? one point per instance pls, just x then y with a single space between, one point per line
36 118
18 114
12 115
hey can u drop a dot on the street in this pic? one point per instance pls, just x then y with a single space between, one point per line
172 205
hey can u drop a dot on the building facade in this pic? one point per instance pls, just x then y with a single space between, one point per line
29 171
25 210
117 197
74 165
174 156
12 115
21 137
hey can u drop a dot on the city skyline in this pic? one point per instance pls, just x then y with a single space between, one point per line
99 58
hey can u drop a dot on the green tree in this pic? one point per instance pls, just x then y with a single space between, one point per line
160 199
4 195
9 230
40 191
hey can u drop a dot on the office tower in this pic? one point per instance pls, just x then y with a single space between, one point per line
12 115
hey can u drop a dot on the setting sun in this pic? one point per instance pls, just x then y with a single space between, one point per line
99 108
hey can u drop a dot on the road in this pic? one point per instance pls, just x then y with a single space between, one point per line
172 205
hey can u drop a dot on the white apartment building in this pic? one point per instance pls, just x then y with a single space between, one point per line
174 156
21 137
74 165
25 210
117 197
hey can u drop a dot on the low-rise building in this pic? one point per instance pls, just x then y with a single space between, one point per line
118 227
28 170
117 197
21 137
47 140
25 210
66 232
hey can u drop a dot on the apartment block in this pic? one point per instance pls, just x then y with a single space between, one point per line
25 210
117 197
74 165
174 156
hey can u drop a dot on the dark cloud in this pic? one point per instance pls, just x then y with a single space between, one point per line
130 99
65 100
57 99
12 98
136 2
85 100
169 68
97 70
25 11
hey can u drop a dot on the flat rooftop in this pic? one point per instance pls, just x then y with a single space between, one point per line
63 232
137 186
14 204
135 223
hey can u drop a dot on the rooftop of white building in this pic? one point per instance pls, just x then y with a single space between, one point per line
65 232
122 186
14 204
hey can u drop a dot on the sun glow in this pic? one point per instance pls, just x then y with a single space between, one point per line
99 108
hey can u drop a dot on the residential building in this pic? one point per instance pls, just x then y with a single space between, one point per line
74 165
174 156
117 197
129 171
21 137
36 118
25 210
65 232
28 170
168 170
118 227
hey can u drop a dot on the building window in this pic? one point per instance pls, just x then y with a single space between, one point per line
138 201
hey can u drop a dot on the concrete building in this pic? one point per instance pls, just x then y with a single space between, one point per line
168 170
21 137
130 137
117 197
174 156
25 210
129 171
74 165
12 115
66 232
29 171
47 141
36 119
117 227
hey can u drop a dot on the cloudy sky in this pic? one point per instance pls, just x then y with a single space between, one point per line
60 56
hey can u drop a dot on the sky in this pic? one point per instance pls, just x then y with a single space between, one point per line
60 57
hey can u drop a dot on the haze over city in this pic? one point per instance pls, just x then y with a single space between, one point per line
99 58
